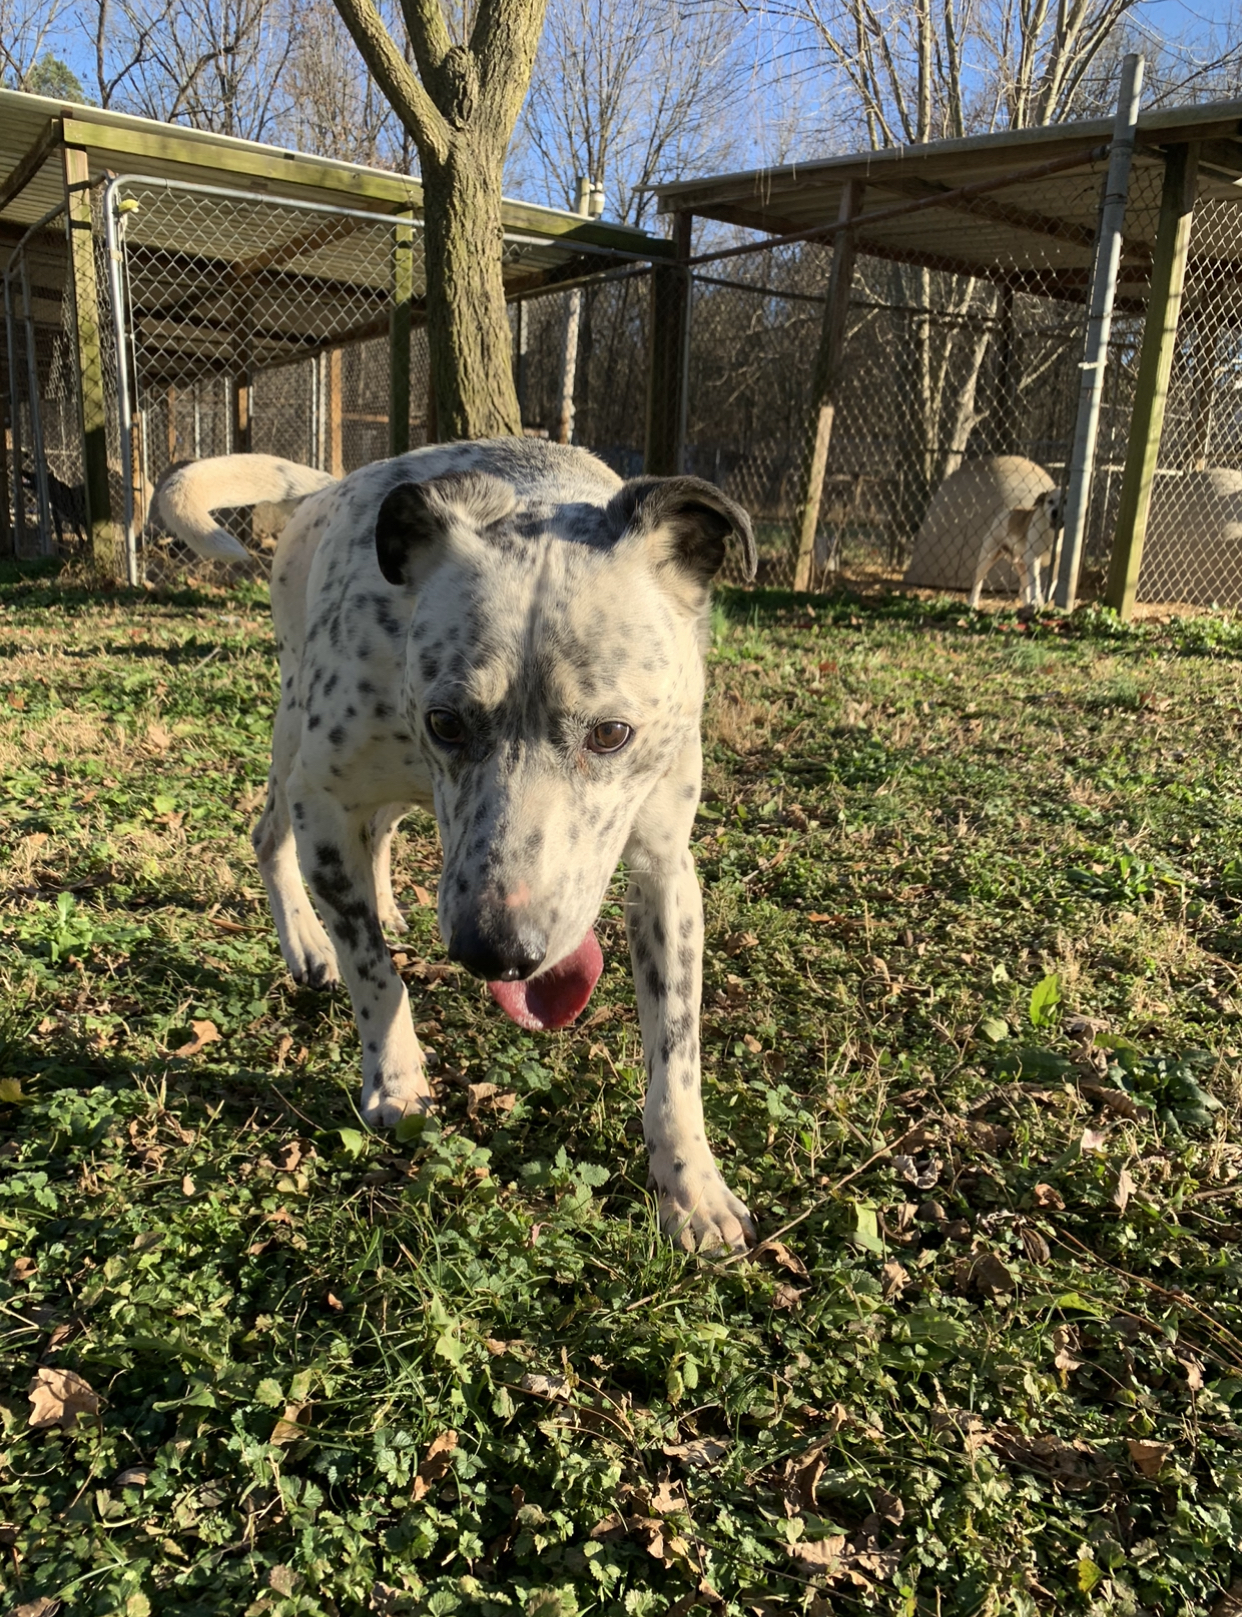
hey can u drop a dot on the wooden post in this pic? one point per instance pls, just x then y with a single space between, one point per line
242 365
668 363
1164 302
106 548
399 338
826 385
336 445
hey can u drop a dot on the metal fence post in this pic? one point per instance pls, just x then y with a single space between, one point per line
15 421
826 384
667 365
92 394
399 337
1099 327
1164 302
38 449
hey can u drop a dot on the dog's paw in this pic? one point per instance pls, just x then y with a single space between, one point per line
698 1211
386 1099
309 954
392 919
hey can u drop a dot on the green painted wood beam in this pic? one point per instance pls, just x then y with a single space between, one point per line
93 397
668 359
272 171
1164 303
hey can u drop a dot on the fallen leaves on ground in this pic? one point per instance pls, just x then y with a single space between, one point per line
205 1033
59 1397
436 1465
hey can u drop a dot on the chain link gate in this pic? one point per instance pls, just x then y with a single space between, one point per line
1193 551
45 455
250 323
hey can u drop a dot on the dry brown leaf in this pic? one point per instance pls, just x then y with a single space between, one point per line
280 1216
699 1451
136 1476
777 1252
819 1555
786 1296
1123 1190
288 1157
737 942
205 1033
482 1097
1093 1141
894 1280
1194 1372
58 1397
226 925
423 898
990 1137
1065 1343
990 1276
611 1528
1048 1196
667 1497
334 1303
290 1425
752 1044
187 1186
44 1606
1034 1245
545 1386
1148 1457
23 1269
436 1466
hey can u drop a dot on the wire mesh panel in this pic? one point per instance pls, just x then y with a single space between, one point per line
44 437
1193 550
953 411
252 324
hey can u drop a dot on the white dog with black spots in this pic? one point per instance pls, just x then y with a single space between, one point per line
505 633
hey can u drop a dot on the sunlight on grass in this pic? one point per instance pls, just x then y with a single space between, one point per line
971 1053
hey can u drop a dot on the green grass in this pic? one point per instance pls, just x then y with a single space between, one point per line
971 1049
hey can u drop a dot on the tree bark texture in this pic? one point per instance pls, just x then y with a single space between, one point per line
459 103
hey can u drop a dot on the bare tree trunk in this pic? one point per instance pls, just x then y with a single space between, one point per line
469 342
460 106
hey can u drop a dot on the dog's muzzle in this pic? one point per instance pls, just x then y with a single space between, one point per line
496 952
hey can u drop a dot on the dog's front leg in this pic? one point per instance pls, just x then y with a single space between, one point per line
664 919
334 850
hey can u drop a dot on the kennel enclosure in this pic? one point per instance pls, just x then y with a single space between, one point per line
172 294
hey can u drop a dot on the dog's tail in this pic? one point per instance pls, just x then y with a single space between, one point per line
188 494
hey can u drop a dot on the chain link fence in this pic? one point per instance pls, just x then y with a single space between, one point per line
1194 537
44 431
247 322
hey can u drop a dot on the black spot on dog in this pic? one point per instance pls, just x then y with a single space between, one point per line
336 735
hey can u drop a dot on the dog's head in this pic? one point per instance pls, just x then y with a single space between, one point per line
1052 503
554 675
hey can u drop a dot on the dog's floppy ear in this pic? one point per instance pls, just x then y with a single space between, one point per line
692 518
415 517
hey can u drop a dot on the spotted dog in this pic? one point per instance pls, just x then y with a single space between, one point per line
508 634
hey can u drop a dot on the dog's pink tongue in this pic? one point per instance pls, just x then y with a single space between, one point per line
553 998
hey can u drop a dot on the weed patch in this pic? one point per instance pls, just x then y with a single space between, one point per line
971 1053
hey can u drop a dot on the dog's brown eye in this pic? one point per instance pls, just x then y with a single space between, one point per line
446 726
610 736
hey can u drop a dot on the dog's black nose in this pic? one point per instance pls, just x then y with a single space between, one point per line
497 954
